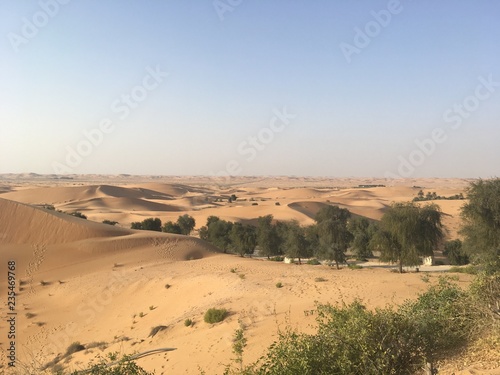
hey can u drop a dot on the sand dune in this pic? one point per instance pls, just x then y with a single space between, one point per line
175 190
20 223
89 282
127 203
58 195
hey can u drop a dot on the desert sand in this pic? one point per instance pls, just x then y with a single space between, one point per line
81 280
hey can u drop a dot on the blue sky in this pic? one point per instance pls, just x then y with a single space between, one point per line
423 73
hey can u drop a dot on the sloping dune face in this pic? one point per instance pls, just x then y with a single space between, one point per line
23 224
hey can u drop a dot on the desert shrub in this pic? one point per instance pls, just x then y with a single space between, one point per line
124 366
147 224
188 322
320 279
313 262
156 329
471 270
353 266
353 340
171 227
443 318
350 340
485 299
214 315
277 259
110 222
97 344
78 214
279 285
73 348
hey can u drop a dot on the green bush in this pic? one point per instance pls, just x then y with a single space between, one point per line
125 366
147 224
320 279
353 266
110 222
214 315
471 270
73 348
313 262
454 252
353 340
78 214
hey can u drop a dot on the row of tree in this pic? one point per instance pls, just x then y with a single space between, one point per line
329 238
407 232
184 225
433 196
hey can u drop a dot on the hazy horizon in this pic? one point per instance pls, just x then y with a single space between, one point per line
264 88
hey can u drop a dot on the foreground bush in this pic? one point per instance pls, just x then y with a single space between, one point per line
215 315
124 366
353 340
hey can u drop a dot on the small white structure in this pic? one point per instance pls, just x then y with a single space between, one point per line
428 261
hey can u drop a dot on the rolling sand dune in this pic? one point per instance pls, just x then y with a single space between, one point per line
57 195
90 282
131 204
175 190
20 224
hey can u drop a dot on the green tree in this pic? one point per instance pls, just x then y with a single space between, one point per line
296 245
312 238
203 232
148 224
408 232
136 225
267 236
363 231
218 232
186 224
243 238
334 237
171 227
453 251
481 223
